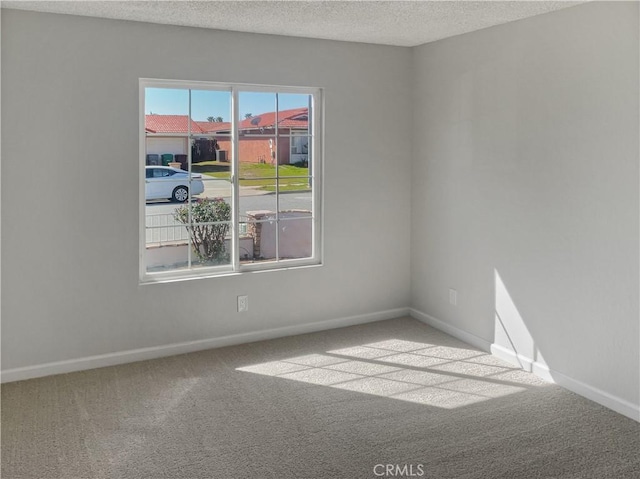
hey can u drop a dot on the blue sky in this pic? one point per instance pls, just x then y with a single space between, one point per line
165 101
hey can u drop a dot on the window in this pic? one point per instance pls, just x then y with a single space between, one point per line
159 172
230 178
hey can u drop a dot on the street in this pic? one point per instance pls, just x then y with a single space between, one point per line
288 201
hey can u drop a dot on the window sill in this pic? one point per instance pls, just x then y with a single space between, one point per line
173 277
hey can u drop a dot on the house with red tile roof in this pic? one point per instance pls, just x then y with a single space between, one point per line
167 134
213 126
170 124
262 138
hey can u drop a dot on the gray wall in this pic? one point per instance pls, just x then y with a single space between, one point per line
522 193
70 185
525 190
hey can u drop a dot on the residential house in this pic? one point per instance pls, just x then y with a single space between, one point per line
259 140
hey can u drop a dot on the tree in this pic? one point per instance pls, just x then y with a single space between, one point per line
211 119
248 115
219 119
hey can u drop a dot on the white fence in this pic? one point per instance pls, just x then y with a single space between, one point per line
167 240
163 228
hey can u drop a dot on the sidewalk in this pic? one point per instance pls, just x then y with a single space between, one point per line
222 189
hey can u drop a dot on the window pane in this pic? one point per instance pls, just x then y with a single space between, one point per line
291 104
211 243
294 177
256 127
295 238
213 170
259 150
295 194
211 110
257 112
294 149
208 225
246 242
294 142
251 171
166 101
211 126
261 228
257 195
166 123
216 188
167 257
166 240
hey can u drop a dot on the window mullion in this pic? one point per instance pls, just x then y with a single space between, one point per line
189 158
235 181
277 131
316 128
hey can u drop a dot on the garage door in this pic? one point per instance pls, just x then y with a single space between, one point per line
159 146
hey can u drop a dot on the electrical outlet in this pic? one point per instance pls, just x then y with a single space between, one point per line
243 303
453 297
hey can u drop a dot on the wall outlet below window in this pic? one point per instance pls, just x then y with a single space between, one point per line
453 297
243 303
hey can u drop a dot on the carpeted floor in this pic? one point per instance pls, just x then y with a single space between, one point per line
337 404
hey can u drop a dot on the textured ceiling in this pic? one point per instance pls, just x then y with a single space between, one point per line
404 23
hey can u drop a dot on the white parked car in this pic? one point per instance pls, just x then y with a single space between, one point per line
164 182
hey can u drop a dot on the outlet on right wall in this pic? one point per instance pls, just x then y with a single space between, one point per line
525 193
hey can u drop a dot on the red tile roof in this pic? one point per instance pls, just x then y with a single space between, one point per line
170 124
211 126
296 118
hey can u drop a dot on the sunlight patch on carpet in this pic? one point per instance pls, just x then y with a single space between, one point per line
434 375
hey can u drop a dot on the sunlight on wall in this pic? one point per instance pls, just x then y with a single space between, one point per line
510 332
435 375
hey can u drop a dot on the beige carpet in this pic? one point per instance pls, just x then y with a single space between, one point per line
336 404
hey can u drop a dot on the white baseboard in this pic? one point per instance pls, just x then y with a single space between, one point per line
59 367
112 359
603 398
517 359
528 364
468 338
541 370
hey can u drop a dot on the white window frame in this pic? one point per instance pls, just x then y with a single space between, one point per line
316 173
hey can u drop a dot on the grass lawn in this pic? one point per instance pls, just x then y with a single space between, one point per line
289 175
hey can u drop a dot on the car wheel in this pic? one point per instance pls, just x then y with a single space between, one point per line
180 194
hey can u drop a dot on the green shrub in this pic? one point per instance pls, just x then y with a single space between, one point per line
208 240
